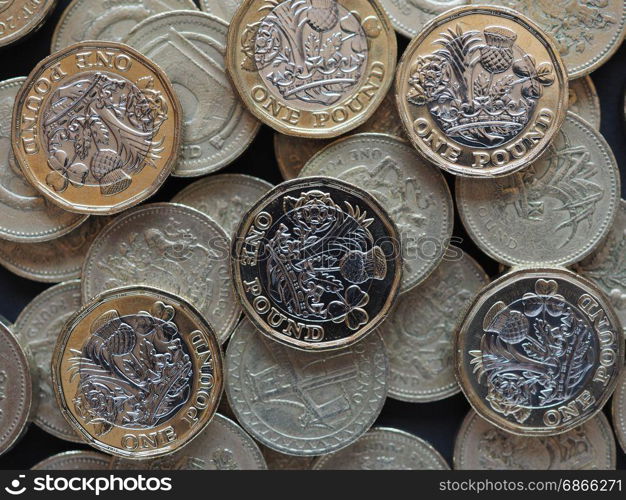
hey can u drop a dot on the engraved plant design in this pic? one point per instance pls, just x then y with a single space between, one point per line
100 131
319 256
134 371
535 352
480 87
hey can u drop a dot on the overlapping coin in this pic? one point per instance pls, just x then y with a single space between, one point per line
138 372
539 352
481 91
316 68
316 263
20 18
75 460
584 100
96 128
224 9
410 16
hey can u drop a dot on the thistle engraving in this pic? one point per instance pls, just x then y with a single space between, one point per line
480 87
134 371
536 352
100 131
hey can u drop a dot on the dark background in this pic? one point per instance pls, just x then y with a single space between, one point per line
435 422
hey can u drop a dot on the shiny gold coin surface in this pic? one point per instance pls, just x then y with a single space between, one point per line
137 372
96 128
20 18
481 91
539 351
316 68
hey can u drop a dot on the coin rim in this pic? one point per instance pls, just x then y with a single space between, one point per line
618 413
29 29
84 454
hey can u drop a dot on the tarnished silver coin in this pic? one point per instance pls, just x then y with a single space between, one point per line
409 16
108 20
304 403
222 445
16 389
556 211
420 330
539 351
25 215
224 9
619 411
225 197
39 326
482 446
413 192
170 247
21 18
190 48
607 265
52 261
279 461
584 100
75 460
383 448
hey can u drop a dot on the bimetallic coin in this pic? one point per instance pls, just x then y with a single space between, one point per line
584 100
556 211
225 198
539 352
413 192
482 446
75 460
410 16
384 448
39 326
587 32
88 20
619 411
20 18
170 247
96 128
481 91
16 389
190 47
304 403
316 263
316 68
292 153
279 461
138 372
420 330
224 9
25 215
52 261
223 445
607 265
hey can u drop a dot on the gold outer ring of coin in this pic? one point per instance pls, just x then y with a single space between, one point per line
449 154
160 150
191 415
37 19
327 121
479 404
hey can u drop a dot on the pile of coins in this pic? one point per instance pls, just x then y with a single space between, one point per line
297 309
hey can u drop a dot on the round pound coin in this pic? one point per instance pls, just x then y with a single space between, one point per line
88 20
16 389
481 91
138 372
584 100
172 247
96 128
279 461
25 215
75 460
619 411
304 403
316 68
224 9
20 18
223 445
413 192
190 48
316 263
556 211
410 16
539 352
482 446
39 326
383 448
